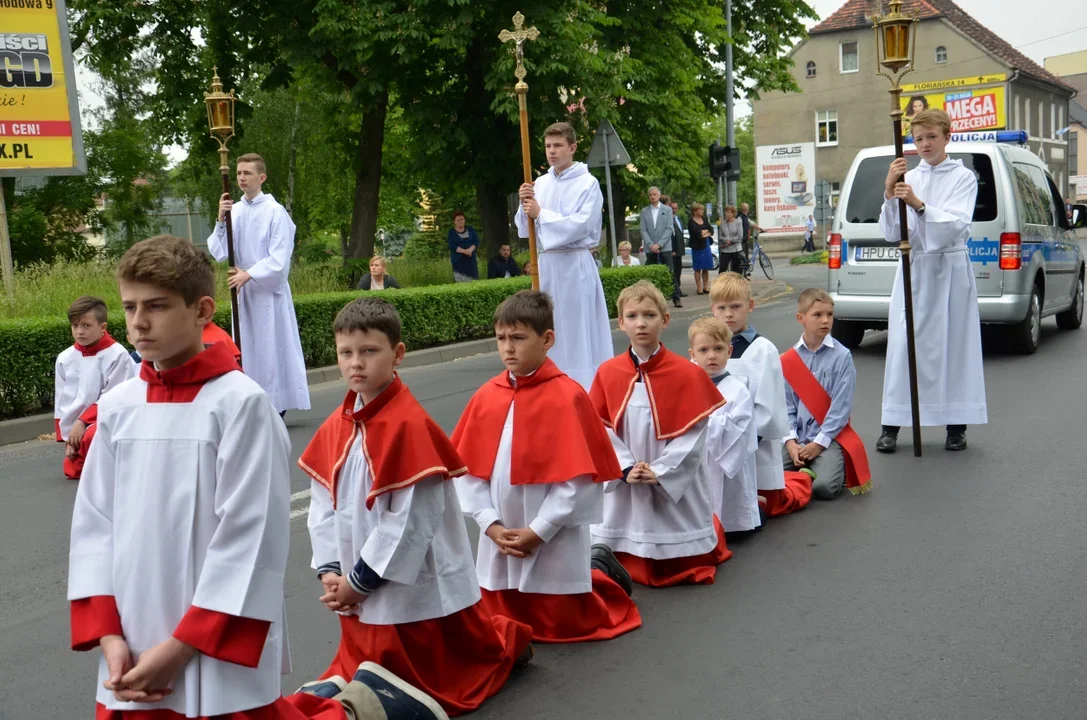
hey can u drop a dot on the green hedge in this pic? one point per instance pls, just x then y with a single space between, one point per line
436 315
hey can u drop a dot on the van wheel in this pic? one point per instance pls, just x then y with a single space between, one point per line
848 332
1027 333
1072 318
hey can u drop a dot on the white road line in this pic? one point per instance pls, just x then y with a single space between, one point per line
301 495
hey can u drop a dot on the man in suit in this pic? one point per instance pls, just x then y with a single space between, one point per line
679 249
657 222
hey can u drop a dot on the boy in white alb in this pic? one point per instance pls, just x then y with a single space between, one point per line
389 542
181 524
659 518
263 243
534 505
757 362
95 364
940 194
730 438
565 204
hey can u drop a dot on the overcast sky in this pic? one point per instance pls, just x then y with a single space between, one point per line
1024 24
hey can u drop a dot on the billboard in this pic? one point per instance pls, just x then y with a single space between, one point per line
39 115
785 180
970 108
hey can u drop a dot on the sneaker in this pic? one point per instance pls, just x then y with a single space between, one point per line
397 698
888 442
955 441
327 688
604 560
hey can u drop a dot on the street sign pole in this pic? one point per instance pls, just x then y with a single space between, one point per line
605 143
611 206
5 250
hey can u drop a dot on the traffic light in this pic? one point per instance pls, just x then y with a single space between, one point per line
724 162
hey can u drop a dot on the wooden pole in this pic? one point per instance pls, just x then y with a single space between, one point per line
224 169
907 277
526 162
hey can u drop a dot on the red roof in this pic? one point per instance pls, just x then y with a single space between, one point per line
853 15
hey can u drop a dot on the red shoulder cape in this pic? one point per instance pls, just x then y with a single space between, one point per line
401 442
91 350
680 393
557 434
213 334
858 478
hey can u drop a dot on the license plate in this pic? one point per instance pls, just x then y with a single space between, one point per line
873 253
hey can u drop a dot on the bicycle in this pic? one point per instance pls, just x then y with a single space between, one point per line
764 260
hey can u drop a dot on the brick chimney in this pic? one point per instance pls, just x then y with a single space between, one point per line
872 8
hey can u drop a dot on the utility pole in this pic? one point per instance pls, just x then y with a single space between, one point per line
729 92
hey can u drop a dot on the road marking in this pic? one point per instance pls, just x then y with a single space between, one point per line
301 495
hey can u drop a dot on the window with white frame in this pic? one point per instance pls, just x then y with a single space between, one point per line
1027 125
849 57
1041 119
1018 115
1060 118
811 69
1053 120
826 128
941 54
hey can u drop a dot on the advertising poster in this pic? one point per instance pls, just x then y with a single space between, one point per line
785 178
970 108
39 116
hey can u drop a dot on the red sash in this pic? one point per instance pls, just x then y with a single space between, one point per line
858 478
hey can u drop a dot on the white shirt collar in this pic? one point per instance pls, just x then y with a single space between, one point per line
260 197
645 360
513 378
828 342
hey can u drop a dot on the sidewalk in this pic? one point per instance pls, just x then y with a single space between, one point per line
31 428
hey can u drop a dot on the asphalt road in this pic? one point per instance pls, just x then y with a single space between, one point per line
954 590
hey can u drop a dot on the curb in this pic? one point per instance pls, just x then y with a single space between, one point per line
30 428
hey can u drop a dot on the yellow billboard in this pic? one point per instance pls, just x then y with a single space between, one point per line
39 115
970 109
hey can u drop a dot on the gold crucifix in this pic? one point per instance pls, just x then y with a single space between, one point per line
518 35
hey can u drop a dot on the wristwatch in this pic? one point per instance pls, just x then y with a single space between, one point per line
921 210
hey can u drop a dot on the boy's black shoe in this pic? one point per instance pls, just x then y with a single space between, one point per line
604 560
888 440
375 692
955 441
525 657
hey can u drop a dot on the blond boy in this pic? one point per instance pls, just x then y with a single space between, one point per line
731 442
757 362
659 518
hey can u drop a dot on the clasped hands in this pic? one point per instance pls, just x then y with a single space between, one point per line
801 455
515 542
149 680
893 188
339 596
642 474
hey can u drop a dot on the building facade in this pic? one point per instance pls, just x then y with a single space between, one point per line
844 106
1071 68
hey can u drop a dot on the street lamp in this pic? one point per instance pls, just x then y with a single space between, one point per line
896 40
221 124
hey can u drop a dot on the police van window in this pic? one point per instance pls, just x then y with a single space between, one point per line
1045 200
866 194
1058 204
1027 200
